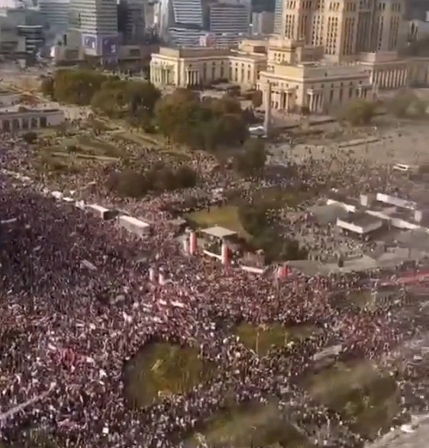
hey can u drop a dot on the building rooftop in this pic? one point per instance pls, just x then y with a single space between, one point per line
361 219
326 214
218 232
19 109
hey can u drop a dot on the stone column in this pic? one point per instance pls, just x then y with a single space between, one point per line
311 105
187 77
287 101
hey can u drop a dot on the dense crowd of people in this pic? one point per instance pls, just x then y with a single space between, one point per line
75 306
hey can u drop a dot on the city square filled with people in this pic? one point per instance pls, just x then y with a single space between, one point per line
75 307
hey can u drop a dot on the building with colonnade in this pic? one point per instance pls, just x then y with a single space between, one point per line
324 53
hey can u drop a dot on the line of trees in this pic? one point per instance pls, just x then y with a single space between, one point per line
159 178
107 95
265 234
183 117
206 123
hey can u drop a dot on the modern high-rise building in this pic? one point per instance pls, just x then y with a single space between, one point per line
94 24
131 21
342 27
278 17
56 13
262 22
229 17
181 22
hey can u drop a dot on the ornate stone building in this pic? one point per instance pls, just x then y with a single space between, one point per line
183 67
324 53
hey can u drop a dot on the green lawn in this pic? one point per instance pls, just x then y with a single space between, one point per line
276 197
362 299
99 146
252 424
161 369
367 399
224 216
262 339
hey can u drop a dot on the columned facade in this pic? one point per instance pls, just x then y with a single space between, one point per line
162 74
15 122
192 77
390 78
315 100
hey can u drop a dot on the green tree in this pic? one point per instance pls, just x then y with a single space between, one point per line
141 97
47 86
185 177
109 101
129 184
359 112
251 160
407 103
77 86
203 124
401 103
257 98
30 137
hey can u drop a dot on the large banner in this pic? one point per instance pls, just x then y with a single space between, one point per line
89 42
109 45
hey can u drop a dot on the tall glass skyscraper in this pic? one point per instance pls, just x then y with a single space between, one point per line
56 13
278 17
96 24
181 21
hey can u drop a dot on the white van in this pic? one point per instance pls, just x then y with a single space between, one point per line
402 167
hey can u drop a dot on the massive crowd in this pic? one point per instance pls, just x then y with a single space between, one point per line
67 330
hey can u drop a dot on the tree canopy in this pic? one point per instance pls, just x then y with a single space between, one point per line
406 103
204 124
251 160
160 177
359 112
108 95
266 236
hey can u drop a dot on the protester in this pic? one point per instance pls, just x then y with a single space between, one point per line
75 306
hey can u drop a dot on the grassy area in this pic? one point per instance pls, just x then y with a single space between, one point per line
365 398
101 147
362 299
262 339
161 369
277 197
249 425
224 216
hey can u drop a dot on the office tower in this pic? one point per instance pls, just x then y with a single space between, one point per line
33 37
131 20
56 13
149 14
278 17
180 22
229 17
94 23
342 27
262 22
